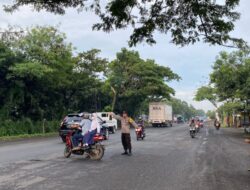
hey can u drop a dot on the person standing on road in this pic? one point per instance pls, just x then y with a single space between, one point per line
126 121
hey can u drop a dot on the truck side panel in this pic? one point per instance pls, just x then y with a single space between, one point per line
159 112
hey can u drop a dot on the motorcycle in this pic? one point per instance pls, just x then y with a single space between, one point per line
140 133
192 131
94 151
197 128
217 126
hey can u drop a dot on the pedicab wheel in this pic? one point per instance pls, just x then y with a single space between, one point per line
67 152
97 152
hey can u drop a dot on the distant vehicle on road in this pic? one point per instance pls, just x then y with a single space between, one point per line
140 132
111 122
160 114
180 119
65 124
201 123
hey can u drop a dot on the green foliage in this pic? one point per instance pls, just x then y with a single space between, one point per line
211 114
187 22
135 79
182 108
206 93
26 126
43 78
229 82
29 70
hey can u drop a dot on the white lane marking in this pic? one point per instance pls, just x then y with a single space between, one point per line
204 142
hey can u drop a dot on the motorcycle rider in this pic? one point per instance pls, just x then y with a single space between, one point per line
140 121
82 132
141 124
192 123
126 121
216 123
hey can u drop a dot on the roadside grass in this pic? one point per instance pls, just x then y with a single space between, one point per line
27 136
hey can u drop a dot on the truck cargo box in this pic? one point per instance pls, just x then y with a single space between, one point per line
160 114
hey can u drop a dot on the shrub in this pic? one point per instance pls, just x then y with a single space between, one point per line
27 126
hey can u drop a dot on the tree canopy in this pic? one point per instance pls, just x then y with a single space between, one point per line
183 108
206 93
186 21
135 80
229 82
42 76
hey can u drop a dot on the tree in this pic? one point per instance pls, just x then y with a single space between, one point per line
135 80
7 60
187 21
211 114
41 78
183 108
229 83
206 93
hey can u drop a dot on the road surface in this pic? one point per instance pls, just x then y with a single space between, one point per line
167 160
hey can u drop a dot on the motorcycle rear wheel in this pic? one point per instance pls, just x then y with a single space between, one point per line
192 134
67 152
97 152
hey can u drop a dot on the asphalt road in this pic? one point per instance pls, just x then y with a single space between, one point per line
168 159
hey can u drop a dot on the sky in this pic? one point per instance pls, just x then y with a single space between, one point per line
192 63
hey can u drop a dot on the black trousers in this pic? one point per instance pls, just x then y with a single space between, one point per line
126 142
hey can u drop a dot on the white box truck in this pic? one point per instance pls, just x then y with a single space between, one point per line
160 114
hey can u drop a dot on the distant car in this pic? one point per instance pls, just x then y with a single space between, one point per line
67 121
104 128
201 123
77 118
180 120
111 122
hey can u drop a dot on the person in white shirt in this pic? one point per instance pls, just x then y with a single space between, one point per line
83 129
94 128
